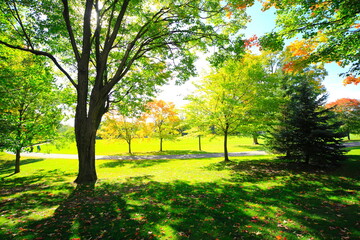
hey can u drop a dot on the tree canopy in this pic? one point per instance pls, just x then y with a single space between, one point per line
30 102
163 119
348 112
117 126
330 31
227 98
128 47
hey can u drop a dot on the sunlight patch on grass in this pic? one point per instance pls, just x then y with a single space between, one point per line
150 146
41 213
162 171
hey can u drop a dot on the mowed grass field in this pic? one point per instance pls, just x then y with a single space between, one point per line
182 145
256 197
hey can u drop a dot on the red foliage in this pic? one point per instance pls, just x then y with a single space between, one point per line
252 42
293 66
288 67
345 104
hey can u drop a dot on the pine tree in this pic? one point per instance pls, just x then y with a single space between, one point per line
307 131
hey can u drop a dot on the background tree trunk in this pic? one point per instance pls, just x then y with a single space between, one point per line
129 146
17 160
161 143
226 154
255 139
199 142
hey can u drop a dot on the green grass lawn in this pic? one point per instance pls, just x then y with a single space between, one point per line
183 145
252 198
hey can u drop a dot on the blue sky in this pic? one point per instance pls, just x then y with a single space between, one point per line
263 22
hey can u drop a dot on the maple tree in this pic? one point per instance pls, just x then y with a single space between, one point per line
348 111
127 47
120 127
226 99
163 119
330 31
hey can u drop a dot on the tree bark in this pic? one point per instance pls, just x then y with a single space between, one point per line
85 141
86 125
348 135
17 160
129 145
199 142
226 154
255 139
161 143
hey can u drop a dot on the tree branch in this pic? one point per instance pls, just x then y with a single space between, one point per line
110 41
70 30
17 17
46 54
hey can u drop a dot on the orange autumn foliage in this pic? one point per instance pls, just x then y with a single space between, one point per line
301 48
351 80
267 4
320 6
240 6
344 104
300 51
294 66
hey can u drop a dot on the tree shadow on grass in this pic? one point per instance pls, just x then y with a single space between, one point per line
134 163
350 169
257 147
260 203
176 152
138 155
138 210
8 166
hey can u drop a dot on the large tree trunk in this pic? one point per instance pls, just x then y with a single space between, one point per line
86 125
226 154
86 153
17 160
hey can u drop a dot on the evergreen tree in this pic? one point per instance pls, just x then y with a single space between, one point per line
306 131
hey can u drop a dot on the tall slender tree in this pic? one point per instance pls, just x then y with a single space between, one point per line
163 118
120 127
130 46
30 102
225 99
